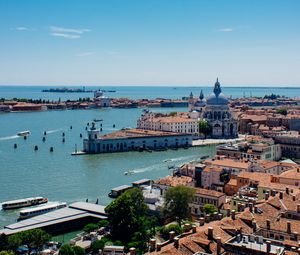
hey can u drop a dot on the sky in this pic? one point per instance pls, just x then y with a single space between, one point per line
150 42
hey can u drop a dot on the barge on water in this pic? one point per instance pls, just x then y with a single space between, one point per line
133 140
15 204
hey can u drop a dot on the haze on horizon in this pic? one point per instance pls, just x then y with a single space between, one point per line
154 42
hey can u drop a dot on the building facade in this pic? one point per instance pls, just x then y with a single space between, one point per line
133 139
217 113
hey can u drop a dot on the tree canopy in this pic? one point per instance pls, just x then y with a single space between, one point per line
209 208
126 215
177 201
68 249
205 128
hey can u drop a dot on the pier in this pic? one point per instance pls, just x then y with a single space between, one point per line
64 220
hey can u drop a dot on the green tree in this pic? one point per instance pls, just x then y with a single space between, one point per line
35 239
6 253
177 201
164 231
78 250
209 208
90 227
282 111
204 128
126 215
66 249
3 242
14 242
103 223
99 244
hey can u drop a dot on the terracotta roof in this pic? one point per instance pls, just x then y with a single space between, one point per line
174 181
207 192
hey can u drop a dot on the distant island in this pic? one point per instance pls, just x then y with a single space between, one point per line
72 90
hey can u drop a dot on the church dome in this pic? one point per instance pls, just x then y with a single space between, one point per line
217 97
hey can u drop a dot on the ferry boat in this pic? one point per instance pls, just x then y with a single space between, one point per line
14 204
23 133
28 213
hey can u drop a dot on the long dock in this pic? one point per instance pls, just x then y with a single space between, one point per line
64 220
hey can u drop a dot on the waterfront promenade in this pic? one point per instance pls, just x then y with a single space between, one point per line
205 142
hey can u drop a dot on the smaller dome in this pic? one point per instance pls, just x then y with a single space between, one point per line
217 100
199 104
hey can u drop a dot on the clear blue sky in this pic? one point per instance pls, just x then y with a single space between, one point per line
153 42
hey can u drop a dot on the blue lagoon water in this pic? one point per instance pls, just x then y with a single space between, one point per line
62 177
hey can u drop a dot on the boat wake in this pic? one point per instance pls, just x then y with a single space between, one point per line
54 130
180 158
9 137
146 169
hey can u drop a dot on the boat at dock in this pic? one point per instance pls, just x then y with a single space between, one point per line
23 133
15 204
28 213
129 172
205 157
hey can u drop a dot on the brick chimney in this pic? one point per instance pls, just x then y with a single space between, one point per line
268 224
194 228
287 191
152 244
132 251
158 246
289 227
176 242
266 195
294 198
201 221
219 245
254 226
281 195
210 232
172 234
233 214
251 207
298 208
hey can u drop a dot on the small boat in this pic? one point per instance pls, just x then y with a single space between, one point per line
23 133
171 167
205 157
128 172
14 204
167 160
28 213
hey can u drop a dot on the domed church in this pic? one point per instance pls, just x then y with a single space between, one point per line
216 111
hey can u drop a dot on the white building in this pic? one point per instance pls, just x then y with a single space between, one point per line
167 123
101 100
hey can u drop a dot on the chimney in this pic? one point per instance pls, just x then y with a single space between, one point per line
298 208
176 242
268 246
268 224
227 212
152 244
201 221
254 226
251 207
294 198
158 246
218 245
266 195
210 233
172 234
194 228
281 195
255 209
132 251
233 214
288 227
287 191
